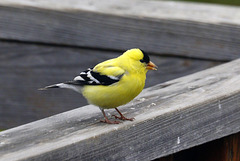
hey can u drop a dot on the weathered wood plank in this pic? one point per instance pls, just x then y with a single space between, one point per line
26 67
169 117
169 28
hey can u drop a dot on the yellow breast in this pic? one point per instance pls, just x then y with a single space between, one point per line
116 94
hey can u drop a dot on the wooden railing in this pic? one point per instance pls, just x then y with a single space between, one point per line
169 117
170 28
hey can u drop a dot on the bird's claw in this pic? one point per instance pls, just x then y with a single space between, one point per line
123 118
110 122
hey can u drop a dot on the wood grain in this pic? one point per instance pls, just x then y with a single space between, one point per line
26 67
224 149
167 28
169 117
232 147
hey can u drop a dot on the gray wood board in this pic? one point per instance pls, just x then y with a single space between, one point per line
26 67
168 28
169 117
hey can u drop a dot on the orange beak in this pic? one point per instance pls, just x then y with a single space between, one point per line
151 66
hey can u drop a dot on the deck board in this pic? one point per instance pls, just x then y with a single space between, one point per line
169 117
166 28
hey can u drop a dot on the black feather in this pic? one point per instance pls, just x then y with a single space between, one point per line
146 58
90 77
103 79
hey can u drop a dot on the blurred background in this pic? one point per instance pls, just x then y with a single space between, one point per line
44 42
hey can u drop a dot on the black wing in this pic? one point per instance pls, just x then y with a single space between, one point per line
90 77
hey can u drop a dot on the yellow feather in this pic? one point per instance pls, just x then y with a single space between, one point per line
128 71
109 68
129 86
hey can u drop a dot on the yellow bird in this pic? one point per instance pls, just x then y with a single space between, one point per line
113 82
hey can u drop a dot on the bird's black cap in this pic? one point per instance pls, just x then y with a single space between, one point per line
146 58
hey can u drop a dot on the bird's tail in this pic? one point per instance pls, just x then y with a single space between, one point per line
59 85
63 85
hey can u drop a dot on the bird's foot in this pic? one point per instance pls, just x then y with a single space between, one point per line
110 122
123 118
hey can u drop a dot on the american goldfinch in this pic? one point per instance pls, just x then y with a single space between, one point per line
113 82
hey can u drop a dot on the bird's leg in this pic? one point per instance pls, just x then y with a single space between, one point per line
106 119
121 116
